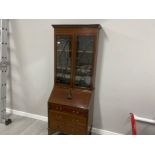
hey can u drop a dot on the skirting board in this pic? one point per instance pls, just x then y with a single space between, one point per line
44 118
104 132
25 114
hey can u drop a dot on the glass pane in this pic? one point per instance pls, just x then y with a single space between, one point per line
63 62
84 59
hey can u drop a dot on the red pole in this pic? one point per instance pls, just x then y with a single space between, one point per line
133 123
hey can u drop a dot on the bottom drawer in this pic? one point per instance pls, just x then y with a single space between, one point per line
73 130
67 123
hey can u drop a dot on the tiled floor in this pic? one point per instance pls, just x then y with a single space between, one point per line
24 126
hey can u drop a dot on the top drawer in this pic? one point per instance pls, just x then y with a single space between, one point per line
71 110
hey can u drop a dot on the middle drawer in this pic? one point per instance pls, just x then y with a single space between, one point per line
68 119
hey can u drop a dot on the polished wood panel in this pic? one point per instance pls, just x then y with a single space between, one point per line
80 98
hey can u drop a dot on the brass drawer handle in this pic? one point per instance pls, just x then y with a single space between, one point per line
75 111
58 108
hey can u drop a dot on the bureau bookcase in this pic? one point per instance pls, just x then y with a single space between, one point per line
70 105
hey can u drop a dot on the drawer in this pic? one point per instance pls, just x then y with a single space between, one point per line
74 130
67 118
67 123
68 109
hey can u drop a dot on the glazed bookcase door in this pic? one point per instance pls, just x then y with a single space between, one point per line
63 59
84 61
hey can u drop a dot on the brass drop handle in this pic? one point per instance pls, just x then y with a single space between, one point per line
59 108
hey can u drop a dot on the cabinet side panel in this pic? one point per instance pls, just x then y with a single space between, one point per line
90 114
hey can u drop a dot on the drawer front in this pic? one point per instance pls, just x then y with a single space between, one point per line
74 130
67 123
68 109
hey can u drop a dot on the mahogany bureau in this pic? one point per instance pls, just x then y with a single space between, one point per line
70 105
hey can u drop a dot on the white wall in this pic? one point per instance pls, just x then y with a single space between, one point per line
125 71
